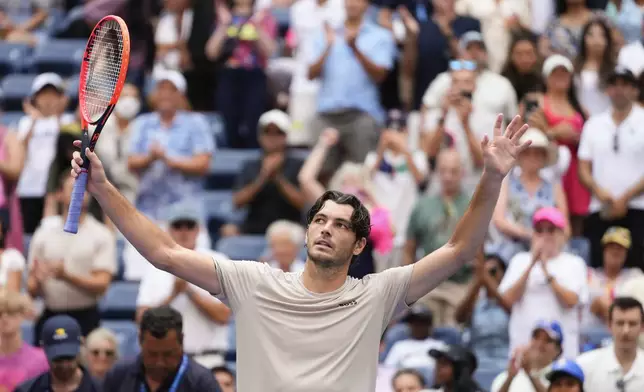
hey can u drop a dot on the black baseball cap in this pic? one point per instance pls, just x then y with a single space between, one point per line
61 337
623 73
453 353
418 312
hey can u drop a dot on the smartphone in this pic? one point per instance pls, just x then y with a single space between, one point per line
530 106
466 94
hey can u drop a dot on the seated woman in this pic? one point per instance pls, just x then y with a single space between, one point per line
524 191
101 352
486 314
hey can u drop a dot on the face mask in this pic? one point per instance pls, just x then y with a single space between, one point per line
128 107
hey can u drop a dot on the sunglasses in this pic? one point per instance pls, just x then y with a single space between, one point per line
183 224
107 353
462 65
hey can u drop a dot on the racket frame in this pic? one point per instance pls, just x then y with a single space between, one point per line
78 193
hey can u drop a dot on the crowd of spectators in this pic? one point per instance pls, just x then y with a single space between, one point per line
238 114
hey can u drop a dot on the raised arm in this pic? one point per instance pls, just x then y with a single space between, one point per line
500 157
154 244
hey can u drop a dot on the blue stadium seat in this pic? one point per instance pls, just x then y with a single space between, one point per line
217 128
28 330
225 165
10 119
127 334
595 338
120 301
219 205
451 336
243 247
580 246
15 88
62 56
12 57
485 377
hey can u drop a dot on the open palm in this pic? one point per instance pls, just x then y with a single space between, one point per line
501 152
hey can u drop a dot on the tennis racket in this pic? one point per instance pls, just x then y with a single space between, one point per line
102 76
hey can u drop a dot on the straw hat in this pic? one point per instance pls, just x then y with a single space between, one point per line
540 140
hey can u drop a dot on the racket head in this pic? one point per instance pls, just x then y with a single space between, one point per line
104 68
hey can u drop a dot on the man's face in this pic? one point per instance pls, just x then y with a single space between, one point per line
63 369
407 383
475 51
167 96
543 349
184 232
283 250
614 256
331 241
161 357
621 93
625 326
355 8
272 139
450 172
463 80
10 320
226 381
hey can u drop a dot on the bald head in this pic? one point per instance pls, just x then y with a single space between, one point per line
450 171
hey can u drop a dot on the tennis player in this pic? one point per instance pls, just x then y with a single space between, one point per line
316 330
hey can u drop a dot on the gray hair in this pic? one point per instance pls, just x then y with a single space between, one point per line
100 334
294 231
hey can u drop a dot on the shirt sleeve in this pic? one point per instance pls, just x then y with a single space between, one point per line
585 151
203 141
137 145
393 358
245 176
317 47
13 260
392 285
381 51
370 160
238 279
516 268
437 90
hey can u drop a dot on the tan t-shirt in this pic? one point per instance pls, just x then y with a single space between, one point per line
93 248
292 340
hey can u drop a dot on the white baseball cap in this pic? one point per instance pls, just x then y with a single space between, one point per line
47 79
276 117
172 76
555 61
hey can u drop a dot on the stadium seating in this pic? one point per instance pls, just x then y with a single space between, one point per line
243 247
15 88
10 119
485 377
127 335
12 56
225 166
120 301
62 56
216 123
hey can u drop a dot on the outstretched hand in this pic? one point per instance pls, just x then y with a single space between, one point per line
501 152
96 176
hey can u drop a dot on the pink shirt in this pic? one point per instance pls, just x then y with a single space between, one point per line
26 364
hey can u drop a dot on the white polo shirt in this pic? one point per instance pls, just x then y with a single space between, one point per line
602 371
521 382
539 301
615 169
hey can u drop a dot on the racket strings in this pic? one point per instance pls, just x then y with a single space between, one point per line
104 68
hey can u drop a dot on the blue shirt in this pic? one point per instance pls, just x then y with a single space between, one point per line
159 186
489 337
345 84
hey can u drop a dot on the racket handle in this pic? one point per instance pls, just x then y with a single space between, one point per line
76 203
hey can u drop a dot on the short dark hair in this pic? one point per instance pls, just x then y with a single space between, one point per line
360 219
161 320
625 303
222 369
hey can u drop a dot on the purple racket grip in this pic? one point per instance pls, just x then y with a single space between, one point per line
76 204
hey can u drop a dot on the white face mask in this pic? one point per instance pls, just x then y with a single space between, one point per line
128 107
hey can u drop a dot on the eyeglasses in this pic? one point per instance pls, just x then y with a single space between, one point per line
106 353
462 65
183 224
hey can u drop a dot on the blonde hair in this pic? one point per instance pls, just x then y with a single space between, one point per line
100 334
11 300
293 230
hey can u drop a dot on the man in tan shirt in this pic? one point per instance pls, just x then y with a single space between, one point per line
71 272
318 329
